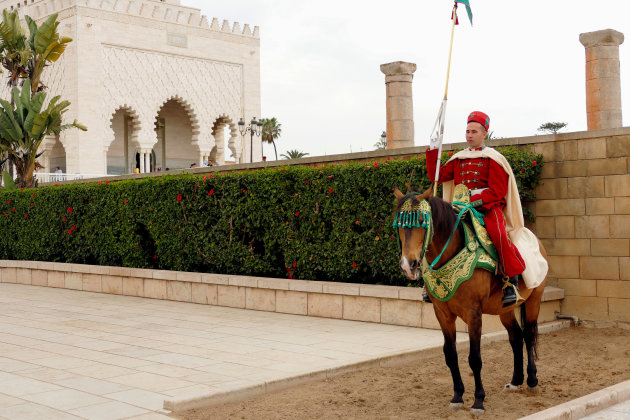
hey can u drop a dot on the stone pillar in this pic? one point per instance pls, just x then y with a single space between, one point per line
399 103
603 85
141 152
147 162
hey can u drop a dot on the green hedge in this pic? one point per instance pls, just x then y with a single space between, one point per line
332 223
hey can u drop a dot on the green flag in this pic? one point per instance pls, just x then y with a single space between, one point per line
467 4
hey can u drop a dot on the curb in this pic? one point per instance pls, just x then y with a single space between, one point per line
396 359
586 405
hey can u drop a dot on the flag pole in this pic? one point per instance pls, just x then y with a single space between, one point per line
448 73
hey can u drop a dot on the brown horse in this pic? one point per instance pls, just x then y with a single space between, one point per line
481 294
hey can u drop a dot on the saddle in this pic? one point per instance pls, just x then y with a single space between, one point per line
478 252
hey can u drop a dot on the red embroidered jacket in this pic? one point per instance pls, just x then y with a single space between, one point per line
480 173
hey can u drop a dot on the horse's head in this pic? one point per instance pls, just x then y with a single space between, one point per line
412 220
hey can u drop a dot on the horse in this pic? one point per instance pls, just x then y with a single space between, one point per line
480 294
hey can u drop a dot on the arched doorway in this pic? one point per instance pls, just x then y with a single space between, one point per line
175 129
225 135
57 157
121 151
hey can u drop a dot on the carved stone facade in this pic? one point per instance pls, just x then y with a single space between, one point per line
155 82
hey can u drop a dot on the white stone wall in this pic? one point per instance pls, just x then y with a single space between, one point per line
137 55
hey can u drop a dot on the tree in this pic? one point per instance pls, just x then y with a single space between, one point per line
271 130
23 126
293 154
552 127
382 142
24 121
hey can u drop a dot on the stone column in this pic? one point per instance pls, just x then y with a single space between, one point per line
141 152
603 85
147 162
399 103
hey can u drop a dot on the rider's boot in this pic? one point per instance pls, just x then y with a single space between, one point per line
511 294
425 295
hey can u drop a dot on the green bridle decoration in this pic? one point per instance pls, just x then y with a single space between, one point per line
413 215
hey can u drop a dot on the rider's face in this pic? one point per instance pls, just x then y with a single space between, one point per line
475 135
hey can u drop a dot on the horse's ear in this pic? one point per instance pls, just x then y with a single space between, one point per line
398 194
427 193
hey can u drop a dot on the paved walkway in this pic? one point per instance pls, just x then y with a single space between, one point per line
68 354
619 411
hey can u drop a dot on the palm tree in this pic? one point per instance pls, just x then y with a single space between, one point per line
293 154
23 126
24 122
271 130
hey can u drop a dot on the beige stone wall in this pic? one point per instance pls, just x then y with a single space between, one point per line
583 219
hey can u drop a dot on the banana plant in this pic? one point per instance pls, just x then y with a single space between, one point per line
25 123
46 46
15 49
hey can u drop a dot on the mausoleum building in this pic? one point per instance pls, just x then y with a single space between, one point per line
157 84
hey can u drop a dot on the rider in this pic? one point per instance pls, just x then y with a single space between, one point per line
489 177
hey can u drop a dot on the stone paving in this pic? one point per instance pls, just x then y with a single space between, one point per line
68 354
619 411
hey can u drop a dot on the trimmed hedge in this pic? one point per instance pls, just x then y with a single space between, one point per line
331 223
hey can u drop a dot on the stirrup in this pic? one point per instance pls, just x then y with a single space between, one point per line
513 298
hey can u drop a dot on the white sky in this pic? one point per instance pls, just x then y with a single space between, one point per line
521 63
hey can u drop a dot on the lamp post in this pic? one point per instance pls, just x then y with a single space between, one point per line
255 127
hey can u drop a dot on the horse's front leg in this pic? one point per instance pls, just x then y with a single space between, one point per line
447 323
474 360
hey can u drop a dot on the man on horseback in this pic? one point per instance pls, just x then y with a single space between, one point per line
488 176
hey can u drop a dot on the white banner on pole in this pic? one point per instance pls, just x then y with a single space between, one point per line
437 136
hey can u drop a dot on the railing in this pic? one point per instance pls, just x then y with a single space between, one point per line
56 177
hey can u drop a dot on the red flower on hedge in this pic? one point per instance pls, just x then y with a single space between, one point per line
64 219
534 163
69 231
26 215
357 222
330 191
244 191
33 195
32 204
204 179
107 181
522 170
70 209
354 264
294 264
375 164
8 201
99 183
297 213
211 192
179 197
13 209
125 202
73 227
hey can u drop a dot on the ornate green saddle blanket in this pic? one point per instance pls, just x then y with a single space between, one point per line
479 252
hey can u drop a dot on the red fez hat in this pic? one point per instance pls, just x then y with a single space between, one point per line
481 118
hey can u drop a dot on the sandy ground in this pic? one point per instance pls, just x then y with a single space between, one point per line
572 362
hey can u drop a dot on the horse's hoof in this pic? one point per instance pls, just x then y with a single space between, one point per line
533 390
456 406
511 388
477 411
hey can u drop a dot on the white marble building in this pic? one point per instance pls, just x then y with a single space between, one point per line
157 84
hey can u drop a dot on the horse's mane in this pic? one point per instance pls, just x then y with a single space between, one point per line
444 215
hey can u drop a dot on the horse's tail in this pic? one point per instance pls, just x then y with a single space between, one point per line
530 329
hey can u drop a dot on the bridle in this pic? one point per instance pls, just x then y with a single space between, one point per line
414 215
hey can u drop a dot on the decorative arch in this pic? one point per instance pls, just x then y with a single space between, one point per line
122 141
190 111
218 153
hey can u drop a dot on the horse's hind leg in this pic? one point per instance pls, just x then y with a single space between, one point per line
515 335
447 323
474 360
529 320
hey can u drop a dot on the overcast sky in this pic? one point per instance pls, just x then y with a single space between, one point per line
521 62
